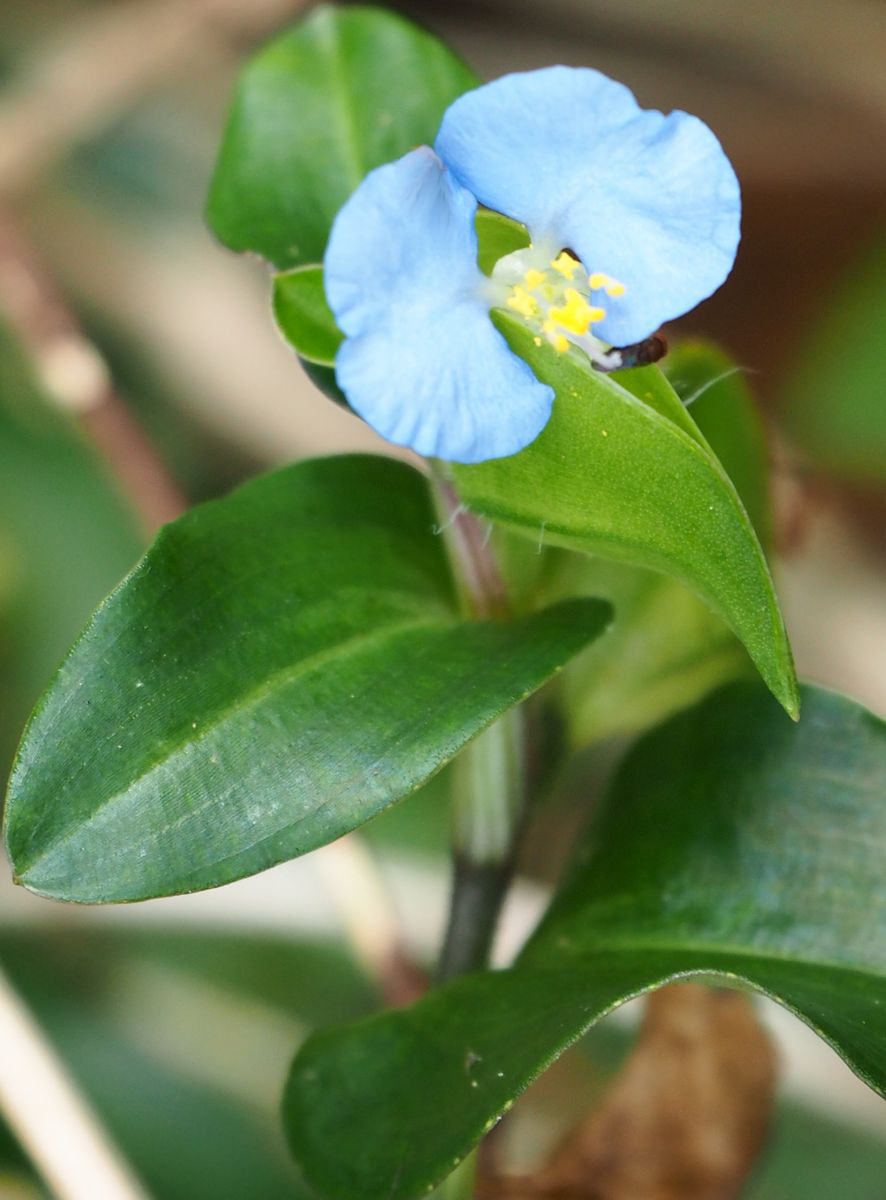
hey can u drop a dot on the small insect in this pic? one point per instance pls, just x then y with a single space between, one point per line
640 354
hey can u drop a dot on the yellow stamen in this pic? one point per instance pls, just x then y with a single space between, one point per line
533 278
576 314
565 264
599 279
520 301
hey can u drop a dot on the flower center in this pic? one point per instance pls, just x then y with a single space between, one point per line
559 299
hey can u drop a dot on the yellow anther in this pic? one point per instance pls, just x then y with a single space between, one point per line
565 264
520 301
576 314
598 280
534 278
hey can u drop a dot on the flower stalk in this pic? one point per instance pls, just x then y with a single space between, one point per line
488 776
489 807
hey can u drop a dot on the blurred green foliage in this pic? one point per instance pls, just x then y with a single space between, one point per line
834 406
186 1136
66 536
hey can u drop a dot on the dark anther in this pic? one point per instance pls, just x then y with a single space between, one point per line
642 354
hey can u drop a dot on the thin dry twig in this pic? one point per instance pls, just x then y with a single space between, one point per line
52 1119
75 376
364 905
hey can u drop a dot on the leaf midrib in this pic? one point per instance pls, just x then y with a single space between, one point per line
248 700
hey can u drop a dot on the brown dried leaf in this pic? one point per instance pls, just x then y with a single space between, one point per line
685 1119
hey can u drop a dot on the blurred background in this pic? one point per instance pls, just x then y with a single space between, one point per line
140 371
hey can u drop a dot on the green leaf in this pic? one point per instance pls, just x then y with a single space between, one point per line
653 388
303 315
732 845
323 377
337 95
665 649
281 666
497 235
617 475
66 535
713 387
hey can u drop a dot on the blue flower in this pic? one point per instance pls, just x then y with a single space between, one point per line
422 363
633 218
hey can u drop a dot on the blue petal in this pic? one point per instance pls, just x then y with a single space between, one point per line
649 199
422 362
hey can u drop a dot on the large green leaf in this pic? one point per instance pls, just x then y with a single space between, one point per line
282 665
666 649
326 102
733 844
66 535
627 476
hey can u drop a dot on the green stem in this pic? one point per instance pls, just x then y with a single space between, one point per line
489 773
481 590
489 789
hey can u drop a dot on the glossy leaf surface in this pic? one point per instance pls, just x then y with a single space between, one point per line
628 477
337 95
282 665
666 649
733 844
